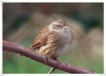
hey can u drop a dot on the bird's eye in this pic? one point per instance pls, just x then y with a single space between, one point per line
58 25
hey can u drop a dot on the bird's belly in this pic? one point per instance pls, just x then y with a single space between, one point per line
61 51
65 43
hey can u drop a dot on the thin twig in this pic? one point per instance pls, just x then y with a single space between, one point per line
13 47
51 70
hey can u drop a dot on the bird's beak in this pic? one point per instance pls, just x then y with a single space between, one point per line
65 28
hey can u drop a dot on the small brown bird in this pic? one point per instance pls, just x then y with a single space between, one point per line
53 40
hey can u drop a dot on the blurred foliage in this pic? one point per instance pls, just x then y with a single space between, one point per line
23 21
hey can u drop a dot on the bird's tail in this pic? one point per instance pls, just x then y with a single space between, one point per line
31 48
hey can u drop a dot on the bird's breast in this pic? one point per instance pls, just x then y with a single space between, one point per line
64 43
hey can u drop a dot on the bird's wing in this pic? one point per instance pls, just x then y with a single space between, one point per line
41 39
53 42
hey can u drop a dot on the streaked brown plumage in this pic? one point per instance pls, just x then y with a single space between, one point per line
53 40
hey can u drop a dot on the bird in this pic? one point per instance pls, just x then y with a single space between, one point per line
53 40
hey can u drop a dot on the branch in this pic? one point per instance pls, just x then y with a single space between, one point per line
13 47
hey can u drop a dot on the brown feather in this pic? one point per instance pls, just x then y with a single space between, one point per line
40 40
50 48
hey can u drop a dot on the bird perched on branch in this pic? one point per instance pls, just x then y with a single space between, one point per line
53 40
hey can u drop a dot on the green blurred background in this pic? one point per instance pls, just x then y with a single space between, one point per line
23 21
